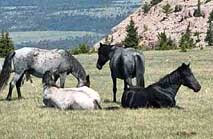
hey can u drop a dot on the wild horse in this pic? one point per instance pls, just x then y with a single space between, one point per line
36 61
125 63
83 98
163 92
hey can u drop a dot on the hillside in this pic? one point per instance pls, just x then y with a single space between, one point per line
93 16
155 21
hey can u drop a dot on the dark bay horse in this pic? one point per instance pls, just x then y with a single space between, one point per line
36 62
162 93
125 63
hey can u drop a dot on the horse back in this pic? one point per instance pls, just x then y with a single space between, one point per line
125 62
35 59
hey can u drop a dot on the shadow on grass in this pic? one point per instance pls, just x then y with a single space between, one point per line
110 101
179 107
13 99
112 108
186 133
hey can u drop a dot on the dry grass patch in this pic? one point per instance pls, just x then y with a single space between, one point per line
27 118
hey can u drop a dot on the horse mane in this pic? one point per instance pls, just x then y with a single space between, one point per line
170 78
77 69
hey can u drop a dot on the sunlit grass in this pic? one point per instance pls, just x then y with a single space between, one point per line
27 118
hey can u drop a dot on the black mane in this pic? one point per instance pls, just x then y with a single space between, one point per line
170 78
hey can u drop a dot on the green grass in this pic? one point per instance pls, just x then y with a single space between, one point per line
27 118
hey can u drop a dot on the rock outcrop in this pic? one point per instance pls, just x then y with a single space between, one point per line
156 21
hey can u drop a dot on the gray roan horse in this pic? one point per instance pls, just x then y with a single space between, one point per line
125 63
36 61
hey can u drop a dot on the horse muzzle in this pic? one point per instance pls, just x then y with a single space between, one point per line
98 66
197 89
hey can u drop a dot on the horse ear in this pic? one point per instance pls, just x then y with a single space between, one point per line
189 64
183 64
88 80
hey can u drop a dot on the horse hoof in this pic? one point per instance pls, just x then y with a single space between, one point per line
8 99
20 97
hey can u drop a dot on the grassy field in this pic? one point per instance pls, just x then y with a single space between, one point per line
27 118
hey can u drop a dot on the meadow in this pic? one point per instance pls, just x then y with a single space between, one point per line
28 118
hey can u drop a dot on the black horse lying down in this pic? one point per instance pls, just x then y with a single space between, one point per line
162 93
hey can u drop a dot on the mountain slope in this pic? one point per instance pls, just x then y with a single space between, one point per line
155 21
51 18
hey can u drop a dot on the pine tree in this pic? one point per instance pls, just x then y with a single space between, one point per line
154 2
197 12
186 42
209 35
167 9
146 7
132 38
210 19
6 44
164 42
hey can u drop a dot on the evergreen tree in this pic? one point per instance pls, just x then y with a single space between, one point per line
132 38
186 42
154 2
6 44
209 35
164 42
210 17
146 7
207 1
197 12
178 8
167 9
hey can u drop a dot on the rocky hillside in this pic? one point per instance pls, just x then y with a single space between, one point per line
156 21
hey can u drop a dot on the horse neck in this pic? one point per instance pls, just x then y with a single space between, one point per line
171 83
77 70
111 51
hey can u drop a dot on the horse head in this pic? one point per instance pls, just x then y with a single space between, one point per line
103 55
188 79
84 82
48 79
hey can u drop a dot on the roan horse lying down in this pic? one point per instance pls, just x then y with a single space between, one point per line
162 93
68 98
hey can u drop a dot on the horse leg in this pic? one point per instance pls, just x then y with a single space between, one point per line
18 85
128 81
125 85
56 78
114 89
62 79
10 91
12 84
140 82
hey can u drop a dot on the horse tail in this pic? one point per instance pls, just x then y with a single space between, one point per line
97 104
6 70
140 71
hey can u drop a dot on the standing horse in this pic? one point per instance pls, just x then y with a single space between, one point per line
36 61
125 63
68 98
162 93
